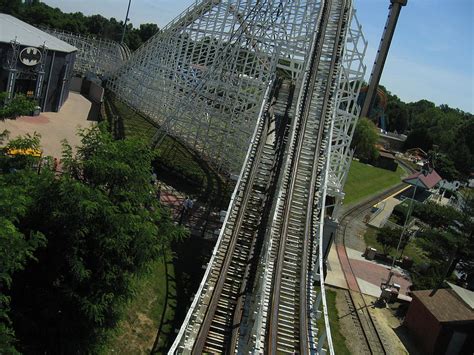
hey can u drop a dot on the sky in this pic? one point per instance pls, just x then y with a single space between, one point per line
431 56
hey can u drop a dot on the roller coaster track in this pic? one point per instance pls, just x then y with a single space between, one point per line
216 321
218 333
288 323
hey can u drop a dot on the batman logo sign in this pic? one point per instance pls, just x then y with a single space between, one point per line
30 56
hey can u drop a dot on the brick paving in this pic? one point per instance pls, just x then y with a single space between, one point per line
346 268
54 126
375 274
369 272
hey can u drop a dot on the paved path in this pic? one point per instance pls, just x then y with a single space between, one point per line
347 268
54 126
355 273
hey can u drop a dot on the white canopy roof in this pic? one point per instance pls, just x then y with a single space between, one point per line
27 35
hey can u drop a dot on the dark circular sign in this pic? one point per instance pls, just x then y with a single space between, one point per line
30 56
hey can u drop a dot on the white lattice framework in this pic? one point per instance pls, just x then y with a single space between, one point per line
94 55
347 110
202 78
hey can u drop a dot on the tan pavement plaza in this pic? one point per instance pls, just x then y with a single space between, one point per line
54 126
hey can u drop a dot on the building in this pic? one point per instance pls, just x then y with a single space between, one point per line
387 160
442 323
425 181
34 63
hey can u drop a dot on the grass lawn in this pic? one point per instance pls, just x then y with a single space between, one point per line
141 317
412 250
339 340
365 180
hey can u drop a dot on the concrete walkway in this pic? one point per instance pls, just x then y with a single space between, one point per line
385 207
348 269
54 126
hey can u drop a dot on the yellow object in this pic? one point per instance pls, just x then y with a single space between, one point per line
28 151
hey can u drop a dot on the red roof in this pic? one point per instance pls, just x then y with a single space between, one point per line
427 181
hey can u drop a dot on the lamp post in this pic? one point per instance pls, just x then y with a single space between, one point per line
125 22
405 225
427 169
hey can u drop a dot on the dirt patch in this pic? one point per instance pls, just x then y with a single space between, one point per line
349 324
394 336
137 335
385 322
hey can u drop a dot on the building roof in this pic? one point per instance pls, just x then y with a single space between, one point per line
385 154
445 305
421 180
12 28
466 295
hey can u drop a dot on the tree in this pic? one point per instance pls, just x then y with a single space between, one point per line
19 161
40 14
448 242
389 238
365 137
18 106
436 216
147 30
445 167
102 226
16 247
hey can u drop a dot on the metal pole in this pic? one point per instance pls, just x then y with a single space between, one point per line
125 22
395 8
407 218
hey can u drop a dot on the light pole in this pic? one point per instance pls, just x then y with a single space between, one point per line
405 225
426 170
125 22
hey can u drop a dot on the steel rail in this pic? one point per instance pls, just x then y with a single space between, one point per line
274 308
285 241
184 333
203 334
315 221
219 328
367 324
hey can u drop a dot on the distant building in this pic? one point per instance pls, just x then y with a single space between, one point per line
387 160
34 63
444 322
423 181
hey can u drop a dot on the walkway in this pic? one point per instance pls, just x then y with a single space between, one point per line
54 126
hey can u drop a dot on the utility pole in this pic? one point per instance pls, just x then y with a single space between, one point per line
125 22
394 12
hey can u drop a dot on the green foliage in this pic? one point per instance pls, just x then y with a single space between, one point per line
171 157
365 137
4 136
389 238
448 130
19 105
397 114
16 247
28 141
103 225
436 216
20 161
448 242
40 14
